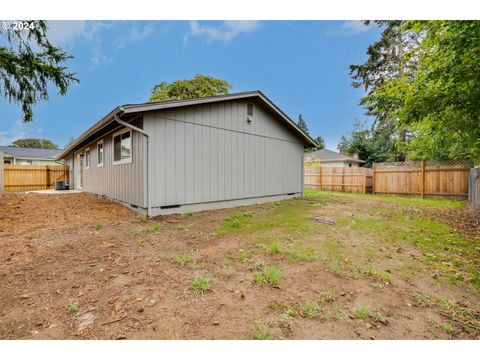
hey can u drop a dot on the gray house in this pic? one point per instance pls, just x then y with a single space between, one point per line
29 156
188 155
333 159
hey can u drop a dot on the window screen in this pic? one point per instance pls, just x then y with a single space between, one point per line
122 146
87 158
250 109
100 153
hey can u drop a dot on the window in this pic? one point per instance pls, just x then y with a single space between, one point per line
249 109
122 147
100 153
87 158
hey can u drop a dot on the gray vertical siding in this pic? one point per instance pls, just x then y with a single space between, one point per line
210 152
123 182
69 163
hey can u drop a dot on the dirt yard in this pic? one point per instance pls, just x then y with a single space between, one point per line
79 267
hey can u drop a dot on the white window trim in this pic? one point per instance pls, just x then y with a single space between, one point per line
89 160
129 159
103 152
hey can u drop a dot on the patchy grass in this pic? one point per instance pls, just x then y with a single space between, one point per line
235 222
202 284
272 248
184 259
227 271
454 256
399 200
154 228
362 312
378 275
98 227
262 332
301 253
271 275
188 213
242 255
336 268
311 308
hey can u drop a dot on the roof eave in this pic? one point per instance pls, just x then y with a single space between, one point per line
138 108
107 119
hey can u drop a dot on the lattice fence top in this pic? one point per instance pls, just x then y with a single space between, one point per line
417 164
447 163
398 164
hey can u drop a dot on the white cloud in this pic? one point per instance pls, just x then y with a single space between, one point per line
136 34
226 31
354 27
99 58
18 130
63 32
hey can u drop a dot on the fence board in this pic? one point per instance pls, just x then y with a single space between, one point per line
33 177
343 179
422 178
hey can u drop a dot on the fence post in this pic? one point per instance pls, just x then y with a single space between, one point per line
373 178
321 176
423 177
1 173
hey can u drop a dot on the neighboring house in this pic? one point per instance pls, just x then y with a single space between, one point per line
332 158
29 156
188 155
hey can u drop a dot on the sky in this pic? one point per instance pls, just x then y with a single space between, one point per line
302 66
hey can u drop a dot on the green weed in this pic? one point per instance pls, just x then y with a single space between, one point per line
202 284
448 328
379 275
261 332
271 275
300 253
72 307
273 248
154 228
184 259
311 308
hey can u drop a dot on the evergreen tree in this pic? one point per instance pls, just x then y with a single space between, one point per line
302 124
320 145
426 86
29 64
371 145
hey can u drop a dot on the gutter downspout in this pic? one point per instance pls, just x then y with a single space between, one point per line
144 133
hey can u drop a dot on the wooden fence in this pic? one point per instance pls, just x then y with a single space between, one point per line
33 177
447 179
344 179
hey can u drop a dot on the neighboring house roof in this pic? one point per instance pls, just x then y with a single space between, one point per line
132 109
326 155
30 153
